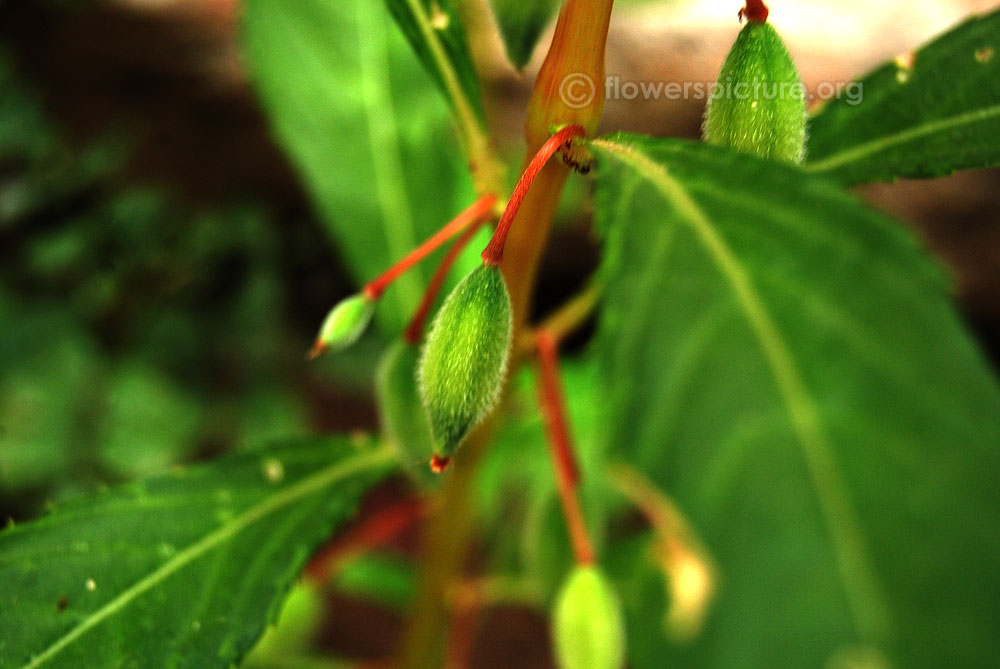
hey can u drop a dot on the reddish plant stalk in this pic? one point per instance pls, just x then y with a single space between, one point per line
480 209
755 11
564 460
493 253
416 326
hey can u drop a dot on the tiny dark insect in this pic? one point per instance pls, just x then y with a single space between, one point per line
62 603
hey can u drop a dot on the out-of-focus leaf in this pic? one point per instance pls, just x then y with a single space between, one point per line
23 133
521 24
181 570
784 362
368 132
380 577
924 115
295 629
435 31
49 370
148 423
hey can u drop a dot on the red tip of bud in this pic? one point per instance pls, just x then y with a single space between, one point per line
318 349
439 464
755 11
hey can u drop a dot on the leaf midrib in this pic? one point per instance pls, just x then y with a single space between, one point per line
284 497
467 121
858 579
871 147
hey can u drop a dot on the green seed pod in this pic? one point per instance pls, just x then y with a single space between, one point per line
402 414
465 358
344 325
758 105
588 627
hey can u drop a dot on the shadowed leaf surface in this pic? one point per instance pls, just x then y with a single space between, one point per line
521 24
435 31
925 114
785 363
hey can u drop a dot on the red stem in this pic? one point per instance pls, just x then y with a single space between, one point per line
564 460
755 11
493 253
416 326
479 209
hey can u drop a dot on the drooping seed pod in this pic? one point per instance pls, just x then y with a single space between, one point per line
465 358
344 325
588 628
758 105
401 411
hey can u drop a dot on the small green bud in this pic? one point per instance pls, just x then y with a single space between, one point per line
758 106
344 325
588 626
404 420
465 358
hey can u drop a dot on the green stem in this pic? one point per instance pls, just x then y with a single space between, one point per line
486 169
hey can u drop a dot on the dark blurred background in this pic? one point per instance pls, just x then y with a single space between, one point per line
162 271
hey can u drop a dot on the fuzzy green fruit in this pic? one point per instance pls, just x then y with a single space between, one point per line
758 106
465 357
345 324
401 411
588 628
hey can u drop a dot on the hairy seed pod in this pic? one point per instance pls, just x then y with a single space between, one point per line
401 411
465 358
344 325
588 627
758 105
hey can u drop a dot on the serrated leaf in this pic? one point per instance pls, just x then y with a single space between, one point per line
925 114
367 130
435 31
785 363
521 24
180 570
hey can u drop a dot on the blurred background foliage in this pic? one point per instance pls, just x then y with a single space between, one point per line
163 266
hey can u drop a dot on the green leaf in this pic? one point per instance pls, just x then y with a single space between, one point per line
180 570
521 24
367 130
142 400
786 364
922 115
435 31
379 577
47 394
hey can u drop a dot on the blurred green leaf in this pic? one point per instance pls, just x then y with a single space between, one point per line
380 577
183 569
368 132
23 133
924 115
50 367
521 24
786 364
435 31
149 422
294 631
